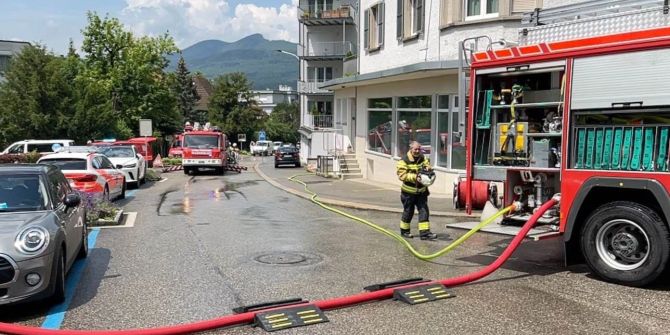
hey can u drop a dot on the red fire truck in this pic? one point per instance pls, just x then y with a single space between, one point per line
204 147
588 118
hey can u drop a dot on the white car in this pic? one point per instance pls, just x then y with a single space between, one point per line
41 146
128 160
276 145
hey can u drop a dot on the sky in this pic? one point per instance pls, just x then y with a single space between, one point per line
54 22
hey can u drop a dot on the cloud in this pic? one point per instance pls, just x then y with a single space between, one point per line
190 21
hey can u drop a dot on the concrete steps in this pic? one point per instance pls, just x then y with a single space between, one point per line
349 168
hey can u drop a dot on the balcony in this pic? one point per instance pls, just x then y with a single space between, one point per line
314 16
311 87
328 50
313 122
350 66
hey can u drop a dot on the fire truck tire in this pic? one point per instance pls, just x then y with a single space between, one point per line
626 243
187 170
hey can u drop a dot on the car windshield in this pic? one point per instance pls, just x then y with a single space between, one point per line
66 163
201 141
117 152
22 192
288 149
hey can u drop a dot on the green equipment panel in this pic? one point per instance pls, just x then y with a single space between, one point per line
599 149
607 150
627 143
648 155
637 149
661 161
616 150
581 141
590 139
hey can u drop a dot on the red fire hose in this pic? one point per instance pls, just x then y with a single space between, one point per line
245 318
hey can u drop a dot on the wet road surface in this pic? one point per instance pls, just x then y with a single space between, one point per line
205 244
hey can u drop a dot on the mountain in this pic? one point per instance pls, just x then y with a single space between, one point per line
253 55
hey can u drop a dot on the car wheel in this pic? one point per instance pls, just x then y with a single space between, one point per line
123 190
186 170
276 165
105 194
59 286
626 243
297 165
83 249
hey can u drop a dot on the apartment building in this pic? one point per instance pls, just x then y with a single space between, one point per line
406 82
268 99
8 49
327 36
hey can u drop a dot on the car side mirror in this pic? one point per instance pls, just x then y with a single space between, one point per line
72 200
119 166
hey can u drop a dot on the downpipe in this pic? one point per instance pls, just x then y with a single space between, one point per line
333 303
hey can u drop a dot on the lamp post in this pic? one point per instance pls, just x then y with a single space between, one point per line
288 53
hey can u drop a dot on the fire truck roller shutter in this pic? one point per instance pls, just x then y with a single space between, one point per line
622 241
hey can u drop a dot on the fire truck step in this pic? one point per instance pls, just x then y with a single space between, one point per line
423 293
290 317
535 234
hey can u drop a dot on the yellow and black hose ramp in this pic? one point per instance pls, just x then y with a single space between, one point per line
394 235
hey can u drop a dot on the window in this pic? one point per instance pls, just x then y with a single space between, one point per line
409 16
4 63
480 9
414 123
319 74
380 125
67 163
451 148
374 27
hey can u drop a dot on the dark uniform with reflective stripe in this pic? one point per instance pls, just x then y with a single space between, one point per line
413 194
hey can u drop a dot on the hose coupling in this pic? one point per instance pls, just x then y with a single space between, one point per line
518 205
557 198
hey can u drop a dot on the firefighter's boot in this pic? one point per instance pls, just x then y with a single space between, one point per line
404 230
427 235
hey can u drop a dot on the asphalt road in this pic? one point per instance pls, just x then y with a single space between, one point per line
205 244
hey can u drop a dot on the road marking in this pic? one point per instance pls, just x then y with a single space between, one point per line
131 193
163 179
56 314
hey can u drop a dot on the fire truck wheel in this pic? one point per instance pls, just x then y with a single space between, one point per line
187 170
626 243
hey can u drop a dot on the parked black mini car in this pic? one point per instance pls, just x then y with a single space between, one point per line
42 232
287 155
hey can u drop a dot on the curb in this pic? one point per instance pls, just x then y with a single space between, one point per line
354 205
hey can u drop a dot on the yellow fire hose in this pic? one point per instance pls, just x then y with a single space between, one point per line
397 237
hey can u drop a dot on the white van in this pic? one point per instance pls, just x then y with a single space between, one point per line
41 146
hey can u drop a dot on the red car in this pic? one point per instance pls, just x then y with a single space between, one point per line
90 172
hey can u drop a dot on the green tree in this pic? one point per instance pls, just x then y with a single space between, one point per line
283 123
231 90
131 72
186 92
35 97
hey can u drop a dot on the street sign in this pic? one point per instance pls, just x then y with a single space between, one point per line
241 137
145 127
261 135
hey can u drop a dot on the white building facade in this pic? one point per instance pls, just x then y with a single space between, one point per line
406 85
268 99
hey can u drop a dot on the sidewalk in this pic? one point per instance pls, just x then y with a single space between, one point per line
352 193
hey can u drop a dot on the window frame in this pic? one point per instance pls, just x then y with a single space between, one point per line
410 19
482 11
374 27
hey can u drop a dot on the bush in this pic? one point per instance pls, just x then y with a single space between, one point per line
31 157
152 176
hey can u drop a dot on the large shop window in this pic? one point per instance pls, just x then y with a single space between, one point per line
414 123
450 142
380 125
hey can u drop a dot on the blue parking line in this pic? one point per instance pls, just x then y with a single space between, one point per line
131 193
56 314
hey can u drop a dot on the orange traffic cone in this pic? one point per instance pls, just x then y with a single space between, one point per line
158 162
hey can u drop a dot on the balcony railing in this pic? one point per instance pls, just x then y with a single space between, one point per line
330 49
322 121
311 87
315 13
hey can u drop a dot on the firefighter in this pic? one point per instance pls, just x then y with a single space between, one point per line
413 193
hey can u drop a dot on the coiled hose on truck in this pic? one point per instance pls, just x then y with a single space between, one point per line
332 303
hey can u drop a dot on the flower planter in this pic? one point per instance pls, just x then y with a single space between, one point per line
109 222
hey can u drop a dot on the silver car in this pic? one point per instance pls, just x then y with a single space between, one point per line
42 232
